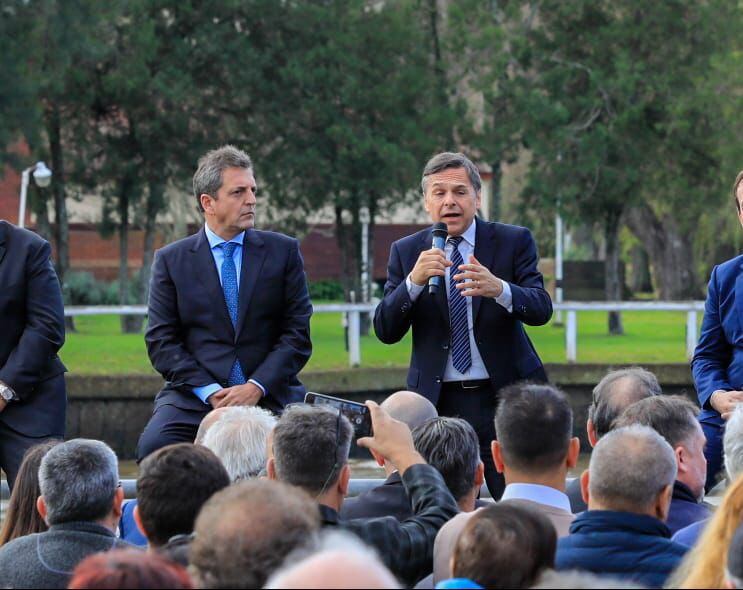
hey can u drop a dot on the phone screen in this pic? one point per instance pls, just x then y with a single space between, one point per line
357 414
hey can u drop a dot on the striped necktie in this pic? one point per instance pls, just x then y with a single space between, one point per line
460 339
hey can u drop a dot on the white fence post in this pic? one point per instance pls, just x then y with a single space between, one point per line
571 336
691 333
354 338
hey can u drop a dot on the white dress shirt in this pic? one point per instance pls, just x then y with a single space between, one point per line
477 369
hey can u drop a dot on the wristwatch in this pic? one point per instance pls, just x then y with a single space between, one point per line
6 393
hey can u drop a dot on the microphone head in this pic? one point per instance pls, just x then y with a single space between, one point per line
440 230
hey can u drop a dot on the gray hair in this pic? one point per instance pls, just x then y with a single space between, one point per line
208 177
239 438
672 416
327 543
732 442
630 466
446 160
78 480
617 391
576 579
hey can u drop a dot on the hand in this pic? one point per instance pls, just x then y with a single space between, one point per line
430 263
392 439
725 402
482 282
3 403
248 394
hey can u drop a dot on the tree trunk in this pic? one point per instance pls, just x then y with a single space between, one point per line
494 213
61 223
670 252
39 207
438 62
153 207
612 277
129 324
641 281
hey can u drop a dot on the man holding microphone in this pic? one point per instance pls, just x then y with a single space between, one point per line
466 303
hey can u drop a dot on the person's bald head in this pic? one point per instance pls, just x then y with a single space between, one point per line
409 407
342 561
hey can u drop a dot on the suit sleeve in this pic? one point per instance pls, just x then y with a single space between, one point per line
713 353
164 344
393 315
293 347
531 303
44 333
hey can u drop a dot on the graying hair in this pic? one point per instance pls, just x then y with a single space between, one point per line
208 177
330 541
672 416
610 400
78 480
630 466
732 442
239 438
579 579
446 160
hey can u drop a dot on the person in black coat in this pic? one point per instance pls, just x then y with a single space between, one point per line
33 400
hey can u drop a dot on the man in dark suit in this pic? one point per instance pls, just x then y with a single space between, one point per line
717 365
229 309
32 388
468 338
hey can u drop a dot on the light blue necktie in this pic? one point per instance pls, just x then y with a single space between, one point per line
460 338
229 286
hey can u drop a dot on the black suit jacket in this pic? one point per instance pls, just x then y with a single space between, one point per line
31 333
510 253
190 338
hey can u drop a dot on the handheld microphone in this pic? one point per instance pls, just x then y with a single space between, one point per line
439 241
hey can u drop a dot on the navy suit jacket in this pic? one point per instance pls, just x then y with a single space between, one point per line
718 358
190 338
31 333
510 253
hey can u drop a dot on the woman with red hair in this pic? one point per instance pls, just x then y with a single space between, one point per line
128 568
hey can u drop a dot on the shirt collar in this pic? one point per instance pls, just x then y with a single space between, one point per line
537 493
215 240
469 234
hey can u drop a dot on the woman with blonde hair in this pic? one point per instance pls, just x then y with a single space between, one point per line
704 565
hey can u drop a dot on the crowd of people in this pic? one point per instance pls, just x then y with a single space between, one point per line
260 501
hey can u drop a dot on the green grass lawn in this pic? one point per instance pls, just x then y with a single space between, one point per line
98 347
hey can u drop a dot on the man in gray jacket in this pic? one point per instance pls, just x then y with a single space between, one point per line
81 502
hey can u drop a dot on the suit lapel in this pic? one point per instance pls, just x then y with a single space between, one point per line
442 302
485 254
205 273
254 254
3 248
739 295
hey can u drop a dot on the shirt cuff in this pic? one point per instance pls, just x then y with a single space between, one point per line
506 298
254 382
413 290
205 391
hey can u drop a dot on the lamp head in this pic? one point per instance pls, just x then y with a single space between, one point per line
42 174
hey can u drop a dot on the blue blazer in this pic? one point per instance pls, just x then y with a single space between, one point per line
31 332
510 253
190 338
718 358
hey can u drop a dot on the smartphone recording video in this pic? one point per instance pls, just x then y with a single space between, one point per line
357 414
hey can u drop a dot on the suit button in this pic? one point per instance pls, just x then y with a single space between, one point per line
523 309
438 379
445 347
405 307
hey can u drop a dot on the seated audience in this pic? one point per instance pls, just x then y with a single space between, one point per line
339 560
614 393
578 580
452 447
390 499
534 450
310 451
704 565
239 438
732 443
128 568
628 488
81 503
675 419
244 532
507 545
734 569
21 517
174 483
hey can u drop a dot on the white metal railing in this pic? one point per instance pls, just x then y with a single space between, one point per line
353 313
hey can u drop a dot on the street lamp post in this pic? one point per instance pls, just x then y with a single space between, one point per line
365 218
42 177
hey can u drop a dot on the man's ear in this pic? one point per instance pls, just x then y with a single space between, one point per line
118 501
591 432
206 202
41 507
344 479
584 480
479 476
573 452
663 503
138 521
271 469
681 461
377 457
497 452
